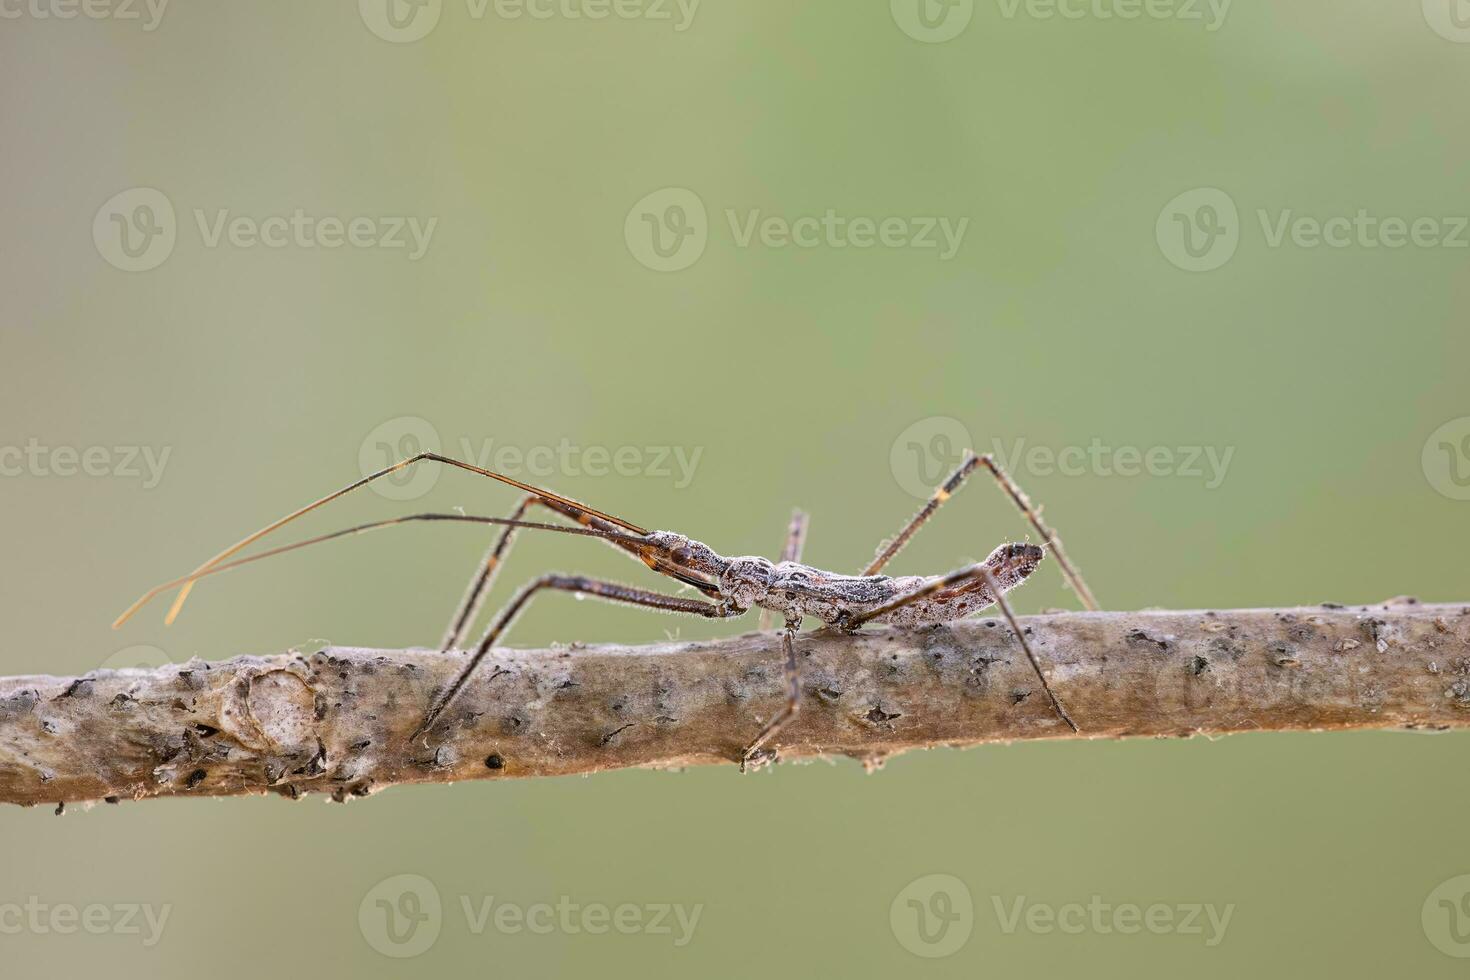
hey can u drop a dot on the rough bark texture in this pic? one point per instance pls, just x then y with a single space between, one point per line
336 721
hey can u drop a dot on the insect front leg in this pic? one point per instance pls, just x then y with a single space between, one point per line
755 756
943 492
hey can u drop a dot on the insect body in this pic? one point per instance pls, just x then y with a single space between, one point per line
729 586
798 590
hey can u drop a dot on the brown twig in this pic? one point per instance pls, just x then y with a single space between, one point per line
336 721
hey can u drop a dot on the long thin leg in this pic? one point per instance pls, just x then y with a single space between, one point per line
795 542
942 493
1048 536
484 577
1031 512
250 539
1005 607
956 578
611 591
489 568
754 756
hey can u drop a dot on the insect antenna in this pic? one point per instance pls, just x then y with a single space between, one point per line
220 567
250 539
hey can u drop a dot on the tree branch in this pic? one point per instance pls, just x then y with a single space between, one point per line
337 721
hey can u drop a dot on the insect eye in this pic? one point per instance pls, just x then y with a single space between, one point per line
681 555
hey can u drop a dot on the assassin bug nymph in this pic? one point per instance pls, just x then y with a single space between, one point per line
730 586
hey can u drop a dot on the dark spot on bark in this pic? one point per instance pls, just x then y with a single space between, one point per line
111 799
195 778
1140 636
359 746
1284 655
321 707
880 717
1302 632
60 809
318 763
205 731
829 693
1198 666
1333 605
494 761
614 734
79 688
1019 695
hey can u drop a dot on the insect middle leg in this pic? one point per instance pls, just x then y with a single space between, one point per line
610 591
754 755
795 542
489 567
484 577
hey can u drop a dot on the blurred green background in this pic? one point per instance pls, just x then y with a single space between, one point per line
1133 274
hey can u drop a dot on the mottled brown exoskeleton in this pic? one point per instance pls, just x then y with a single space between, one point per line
730 586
